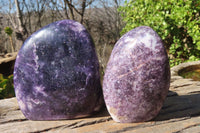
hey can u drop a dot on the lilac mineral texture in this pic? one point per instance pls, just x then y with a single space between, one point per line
137 76
56 74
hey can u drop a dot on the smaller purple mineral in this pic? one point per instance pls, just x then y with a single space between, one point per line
137 76
56 74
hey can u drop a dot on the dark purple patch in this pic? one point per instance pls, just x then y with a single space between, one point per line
56 74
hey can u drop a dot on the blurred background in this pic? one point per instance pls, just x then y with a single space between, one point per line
20 18
23 17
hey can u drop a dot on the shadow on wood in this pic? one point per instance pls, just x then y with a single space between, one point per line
176 106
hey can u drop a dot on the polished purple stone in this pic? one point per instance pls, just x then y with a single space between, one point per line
56 74
137 76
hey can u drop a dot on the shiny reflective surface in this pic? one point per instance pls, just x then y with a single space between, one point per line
56 74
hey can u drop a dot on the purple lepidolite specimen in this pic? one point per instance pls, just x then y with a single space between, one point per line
137 76
56 74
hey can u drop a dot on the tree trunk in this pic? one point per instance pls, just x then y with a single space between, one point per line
69 3
21 28
83 10
21 31
11 42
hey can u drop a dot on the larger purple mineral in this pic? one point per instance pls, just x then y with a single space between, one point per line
56 74
137 76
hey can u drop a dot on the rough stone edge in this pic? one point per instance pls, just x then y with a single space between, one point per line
175 70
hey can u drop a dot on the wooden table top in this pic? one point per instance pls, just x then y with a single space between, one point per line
180 114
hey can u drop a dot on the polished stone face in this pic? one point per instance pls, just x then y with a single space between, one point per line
137 76
56 74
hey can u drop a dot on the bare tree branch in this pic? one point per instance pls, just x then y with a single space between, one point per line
71 7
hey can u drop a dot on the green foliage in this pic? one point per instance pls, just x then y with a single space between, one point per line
177 22
8 31
6 87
